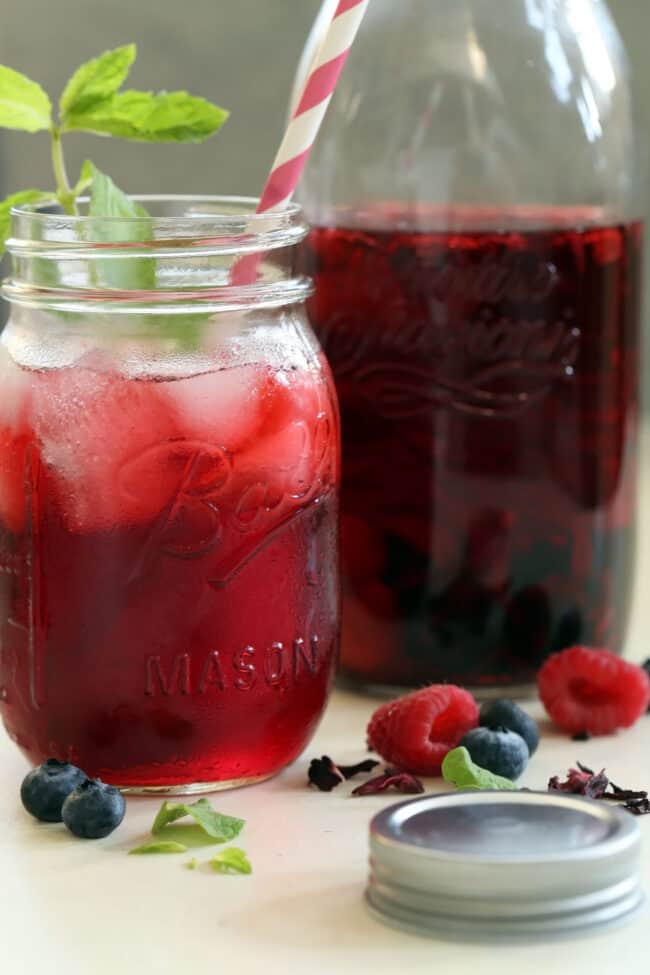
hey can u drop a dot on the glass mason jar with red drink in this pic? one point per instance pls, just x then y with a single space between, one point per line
169 462
477 252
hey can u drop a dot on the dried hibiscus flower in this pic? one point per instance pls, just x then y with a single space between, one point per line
392 779
623 795
638 807
326 774
581 781
585 782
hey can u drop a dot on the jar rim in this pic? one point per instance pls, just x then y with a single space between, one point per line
223 211
220 225
193 243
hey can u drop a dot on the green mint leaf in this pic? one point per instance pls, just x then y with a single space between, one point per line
132 273
148 117
168 813
17 199
127 222
158 846
85 178
107 200
192 864
221 828
87 171
97 80
459 770
23 103
189 834
231 860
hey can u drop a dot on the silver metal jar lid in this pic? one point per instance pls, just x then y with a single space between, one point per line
503 864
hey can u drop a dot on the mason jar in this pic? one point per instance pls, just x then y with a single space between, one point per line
169 464
477 256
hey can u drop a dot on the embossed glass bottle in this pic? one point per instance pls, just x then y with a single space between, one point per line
477 256
169 457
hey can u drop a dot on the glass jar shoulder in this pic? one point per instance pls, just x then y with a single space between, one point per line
474 102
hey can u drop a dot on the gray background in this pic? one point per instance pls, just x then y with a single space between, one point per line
241 55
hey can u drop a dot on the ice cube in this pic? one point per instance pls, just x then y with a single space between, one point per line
15 395
92 425
15 384
292 445
223 408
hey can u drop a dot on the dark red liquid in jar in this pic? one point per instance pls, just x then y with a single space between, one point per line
168 569
488 391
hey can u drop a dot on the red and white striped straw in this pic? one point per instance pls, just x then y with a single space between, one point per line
301 134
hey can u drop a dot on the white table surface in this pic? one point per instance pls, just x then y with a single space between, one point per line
86 908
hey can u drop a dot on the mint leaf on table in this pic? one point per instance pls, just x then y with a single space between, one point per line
17 199
459 770
168 813
221 828
231 860
158 846
189 834
97 80
147 117
23 103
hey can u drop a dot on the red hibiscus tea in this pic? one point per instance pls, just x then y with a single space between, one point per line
169 464
167 566
488 390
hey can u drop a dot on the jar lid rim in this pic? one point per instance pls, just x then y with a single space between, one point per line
495 864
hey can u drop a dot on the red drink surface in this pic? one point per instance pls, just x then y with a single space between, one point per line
168 594
488 392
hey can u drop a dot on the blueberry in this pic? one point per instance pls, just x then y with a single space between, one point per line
45 789
93 810
497 750
506 714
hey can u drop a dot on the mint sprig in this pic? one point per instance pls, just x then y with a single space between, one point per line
459 770
93 101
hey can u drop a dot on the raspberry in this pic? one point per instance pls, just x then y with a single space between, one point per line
415 732
592 690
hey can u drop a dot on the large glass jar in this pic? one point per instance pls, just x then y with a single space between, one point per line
477 257
168 497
